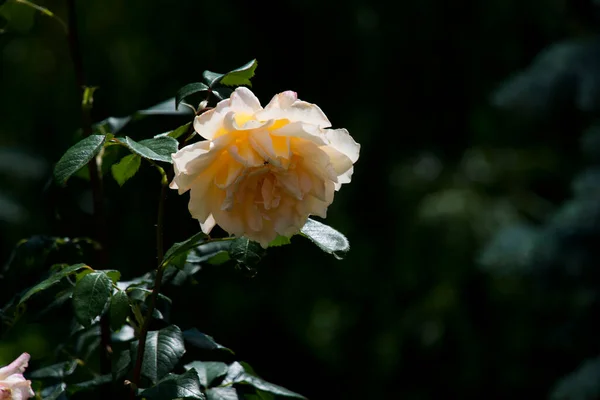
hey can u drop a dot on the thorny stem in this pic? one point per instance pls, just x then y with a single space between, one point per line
95 176
137 372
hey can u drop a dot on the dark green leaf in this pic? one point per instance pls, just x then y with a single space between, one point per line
19 16
53 392
222 393
57 371
176 133
185 386
163 350
166 107
581 384
212 78
240 76
280 241
208 371
119 309
90 297
121 365
328 239
183 247
54 278
77 157
222 92
203 341
188 90
140 294
156 149
206 251
126 168
91 384
238 374
246 252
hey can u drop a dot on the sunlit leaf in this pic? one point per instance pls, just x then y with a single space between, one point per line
163 350
156 149
240 76
91 296
126 168
53 279
208 371
77 157
280 241
188 90
176 133
222 393
328 239
185 386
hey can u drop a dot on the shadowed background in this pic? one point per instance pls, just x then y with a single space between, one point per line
473 214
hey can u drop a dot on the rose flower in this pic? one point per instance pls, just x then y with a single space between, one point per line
262 171
13 386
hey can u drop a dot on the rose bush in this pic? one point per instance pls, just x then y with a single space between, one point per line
262 171
13 386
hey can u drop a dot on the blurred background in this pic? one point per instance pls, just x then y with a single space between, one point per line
473 215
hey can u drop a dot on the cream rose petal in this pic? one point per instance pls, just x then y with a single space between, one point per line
210 123
287 106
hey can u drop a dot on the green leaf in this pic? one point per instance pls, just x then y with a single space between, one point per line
182 247
163 350
55 371
53 392
185 386
91 384
156 149
212 78
222 92
188 90
113 274
90 297
54 278
126 168
202 341
328 239
121 365
246 252
166 107
280 241
77 157
208 371
238 374
176 133
240 76
119 309
220 258
222 393
140 294
19 17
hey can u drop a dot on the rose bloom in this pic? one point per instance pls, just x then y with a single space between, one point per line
13 386
262 171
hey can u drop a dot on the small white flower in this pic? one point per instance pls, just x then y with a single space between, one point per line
13 386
